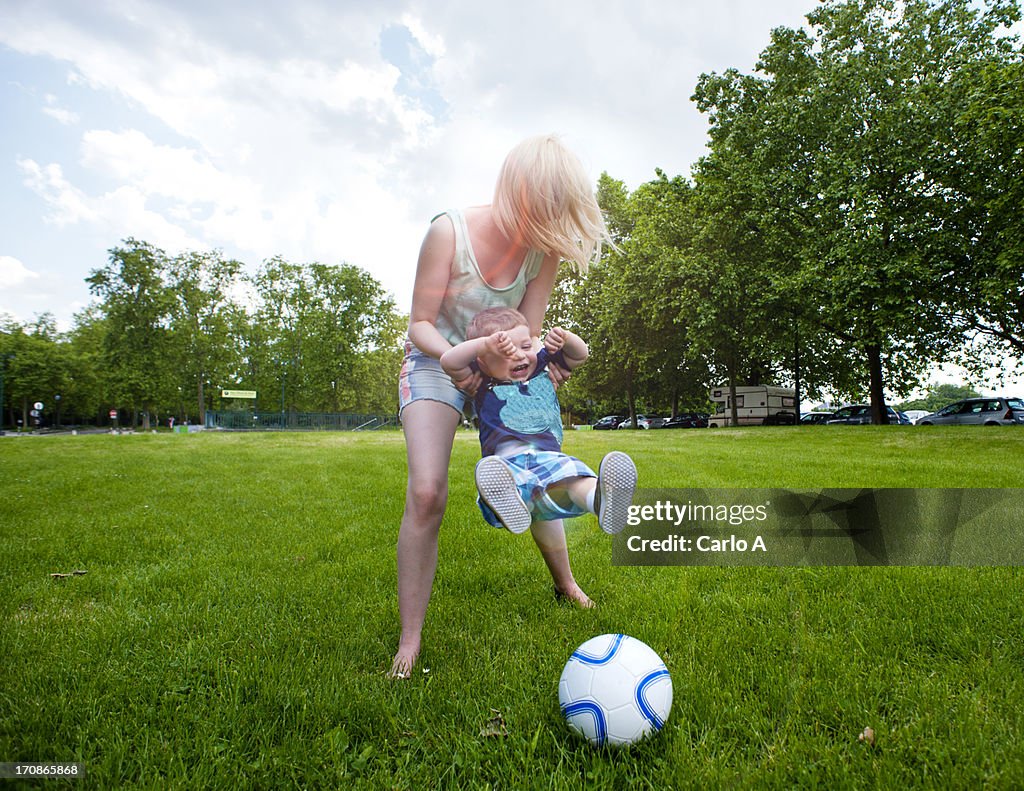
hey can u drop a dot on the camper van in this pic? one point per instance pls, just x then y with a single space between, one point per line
763 405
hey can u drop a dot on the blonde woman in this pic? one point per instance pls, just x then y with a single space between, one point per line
504 254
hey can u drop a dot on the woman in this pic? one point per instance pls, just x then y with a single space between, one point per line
503 254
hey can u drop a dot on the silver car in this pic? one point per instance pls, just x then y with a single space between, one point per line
996 411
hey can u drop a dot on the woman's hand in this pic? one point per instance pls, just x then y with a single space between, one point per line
470 384
557 374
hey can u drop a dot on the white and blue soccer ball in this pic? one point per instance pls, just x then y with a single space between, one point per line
615 690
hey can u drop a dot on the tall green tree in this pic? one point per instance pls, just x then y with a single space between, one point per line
319 331
35 369
856 116
138 305
203 315
985 291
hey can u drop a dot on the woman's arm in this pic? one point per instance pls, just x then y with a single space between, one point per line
534 303
432 273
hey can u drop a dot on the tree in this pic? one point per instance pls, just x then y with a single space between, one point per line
622 352
138 306
35 369
985 292
88 382
202 315
320 332
847 171
939 395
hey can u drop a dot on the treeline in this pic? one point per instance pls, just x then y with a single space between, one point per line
855 221
167 334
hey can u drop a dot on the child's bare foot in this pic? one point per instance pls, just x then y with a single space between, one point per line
402 665
574 595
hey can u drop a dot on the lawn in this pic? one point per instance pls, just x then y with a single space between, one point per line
237 614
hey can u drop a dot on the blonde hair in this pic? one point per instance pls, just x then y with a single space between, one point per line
544 197
491 320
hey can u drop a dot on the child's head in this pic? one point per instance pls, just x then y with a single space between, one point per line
545 198
499 366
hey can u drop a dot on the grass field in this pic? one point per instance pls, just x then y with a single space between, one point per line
238 612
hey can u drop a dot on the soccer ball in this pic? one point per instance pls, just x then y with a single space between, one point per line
615 690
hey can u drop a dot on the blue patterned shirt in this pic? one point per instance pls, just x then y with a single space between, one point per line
522 411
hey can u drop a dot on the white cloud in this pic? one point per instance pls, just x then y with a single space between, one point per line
61 115
286 131
120 213
68 205
13 272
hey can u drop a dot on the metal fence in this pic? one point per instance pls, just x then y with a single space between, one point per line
298 421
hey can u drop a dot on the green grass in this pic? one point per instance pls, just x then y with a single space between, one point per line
239 612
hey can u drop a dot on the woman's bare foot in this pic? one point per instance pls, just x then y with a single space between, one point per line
402 665
574 595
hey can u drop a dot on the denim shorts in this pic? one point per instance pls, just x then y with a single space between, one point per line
534 471
423 378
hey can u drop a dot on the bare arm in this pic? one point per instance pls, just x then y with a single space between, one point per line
534 303
432 273
458 359
574 349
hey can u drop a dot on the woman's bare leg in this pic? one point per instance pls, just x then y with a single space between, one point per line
550 540
429 428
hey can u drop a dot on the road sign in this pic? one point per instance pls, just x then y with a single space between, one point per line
37 405
113 414
238 393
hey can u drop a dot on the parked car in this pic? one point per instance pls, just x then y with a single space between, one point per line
608 422
685 420
643 421
916 414
815 418
996 411
860 415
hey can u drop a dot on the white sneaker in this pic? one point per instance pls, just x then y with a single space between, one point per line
616 484
497 487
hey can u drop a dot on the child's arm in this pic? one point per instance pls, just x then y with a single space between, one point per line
458 359
574 349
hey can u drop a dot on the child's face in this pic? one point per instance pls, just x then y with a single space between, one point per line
518 366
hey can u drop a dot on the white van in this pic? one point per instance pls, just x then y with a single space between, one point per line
764 405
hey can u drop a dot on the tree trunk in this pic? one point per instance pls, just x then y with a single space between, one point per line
734 415
879 413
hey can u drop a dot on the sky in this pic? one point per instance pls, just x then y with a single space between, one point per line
320 130
324 130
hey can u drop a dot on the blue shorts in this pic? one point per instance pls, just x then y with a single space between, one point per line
534 471
423 378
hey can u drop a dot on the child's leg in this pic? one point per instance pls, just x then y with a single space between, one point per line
496 483
550 540
574 491
608 496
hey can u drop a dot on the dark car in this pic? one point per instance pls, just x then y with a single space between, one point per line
608 422
816 418
996 411
685 420
860 415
